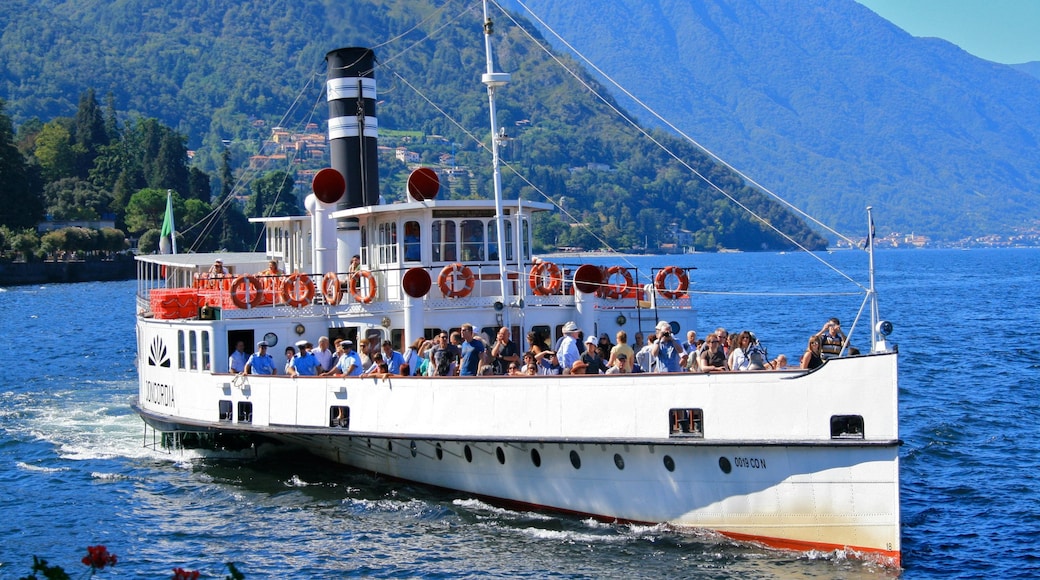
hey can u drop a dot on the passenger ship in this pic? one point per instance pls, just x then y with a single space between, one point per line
792 459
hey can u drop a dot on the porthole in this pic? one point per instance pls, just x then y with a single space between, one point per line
669 463
619 461
468 453
575 459
440 452
501 455
389 445
536 458
724 465
413 448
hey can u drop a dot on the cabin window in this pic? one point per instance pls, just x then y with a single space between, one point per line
193 349
443 236
492 237
206 362
472 240
525 239
412 242
364 245
181 348
387 243
686 422
846 427
245 412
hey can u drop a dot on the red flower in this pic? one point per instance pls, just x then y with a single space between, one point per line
98 557
182 574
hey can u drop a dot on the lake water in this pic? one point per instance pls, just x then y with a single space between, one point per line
75 469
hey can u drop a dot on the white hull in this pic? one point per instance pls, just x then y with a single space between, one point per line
765 466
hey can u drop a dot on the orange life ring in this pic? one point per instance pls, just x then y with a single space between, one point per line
298 290
615 291
246 292
446 280
662 277
545 279
331 288
355 286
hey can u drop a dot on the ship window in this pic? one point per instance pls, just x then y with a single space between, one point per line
575 459
472 240
686 422
846 427
468 453
206 363
387 243
180 350
525 239
500 455
412 242
224 408
245 412
339 416
443 236
364 245
536 458
193 349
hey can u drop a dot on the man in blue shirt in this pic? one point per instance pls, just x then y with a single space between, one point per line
304 364
349 363
392 358
472 349
238 358
260 363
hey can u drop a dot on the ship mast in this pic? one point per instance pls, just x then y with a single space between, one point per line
493 80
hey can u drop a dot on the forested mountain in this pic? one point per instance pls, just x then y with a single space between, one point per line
223 73
829 105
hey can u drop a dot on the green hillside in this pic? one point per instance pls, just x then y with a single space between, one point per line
224 74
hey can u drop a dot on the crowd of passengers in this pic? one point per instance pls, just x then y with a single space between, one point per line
466 353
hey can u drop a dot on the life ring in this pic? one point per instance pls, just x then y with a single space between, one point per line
615 291
331 288
298 290
355 286
246 292
545 279
662 277
446 280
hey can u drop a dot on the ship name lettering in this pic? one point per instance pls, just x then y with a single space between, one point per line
749 462
158 393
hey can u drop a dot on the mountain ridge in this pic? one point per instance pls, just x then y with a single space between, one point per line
831 106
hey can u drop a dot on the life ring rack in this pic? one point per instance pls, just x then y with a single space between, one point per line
246 291
447 277
615 291
298 290
361 295
545 279
661 282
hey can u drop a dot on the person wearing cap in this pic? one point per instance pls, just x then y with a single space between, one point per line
260 363
217 268
668 352
590 363
622 348
238 358
568 347
349 364
304 364
617 367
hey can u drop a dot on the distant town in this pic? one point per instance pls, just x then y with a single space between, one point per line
307 152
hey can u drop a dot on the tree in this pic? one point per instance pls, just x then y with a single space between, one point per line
73 199
19 192
148 207
54 151
90 133
272 196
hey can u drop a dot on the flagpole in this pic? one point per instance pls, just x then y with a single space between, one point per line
874 314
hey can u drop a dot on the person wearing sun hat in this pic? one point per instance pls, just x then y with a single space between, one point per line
590 363
568 350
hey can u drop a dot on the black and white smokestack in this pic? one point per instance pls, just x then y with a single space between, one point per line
353 130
